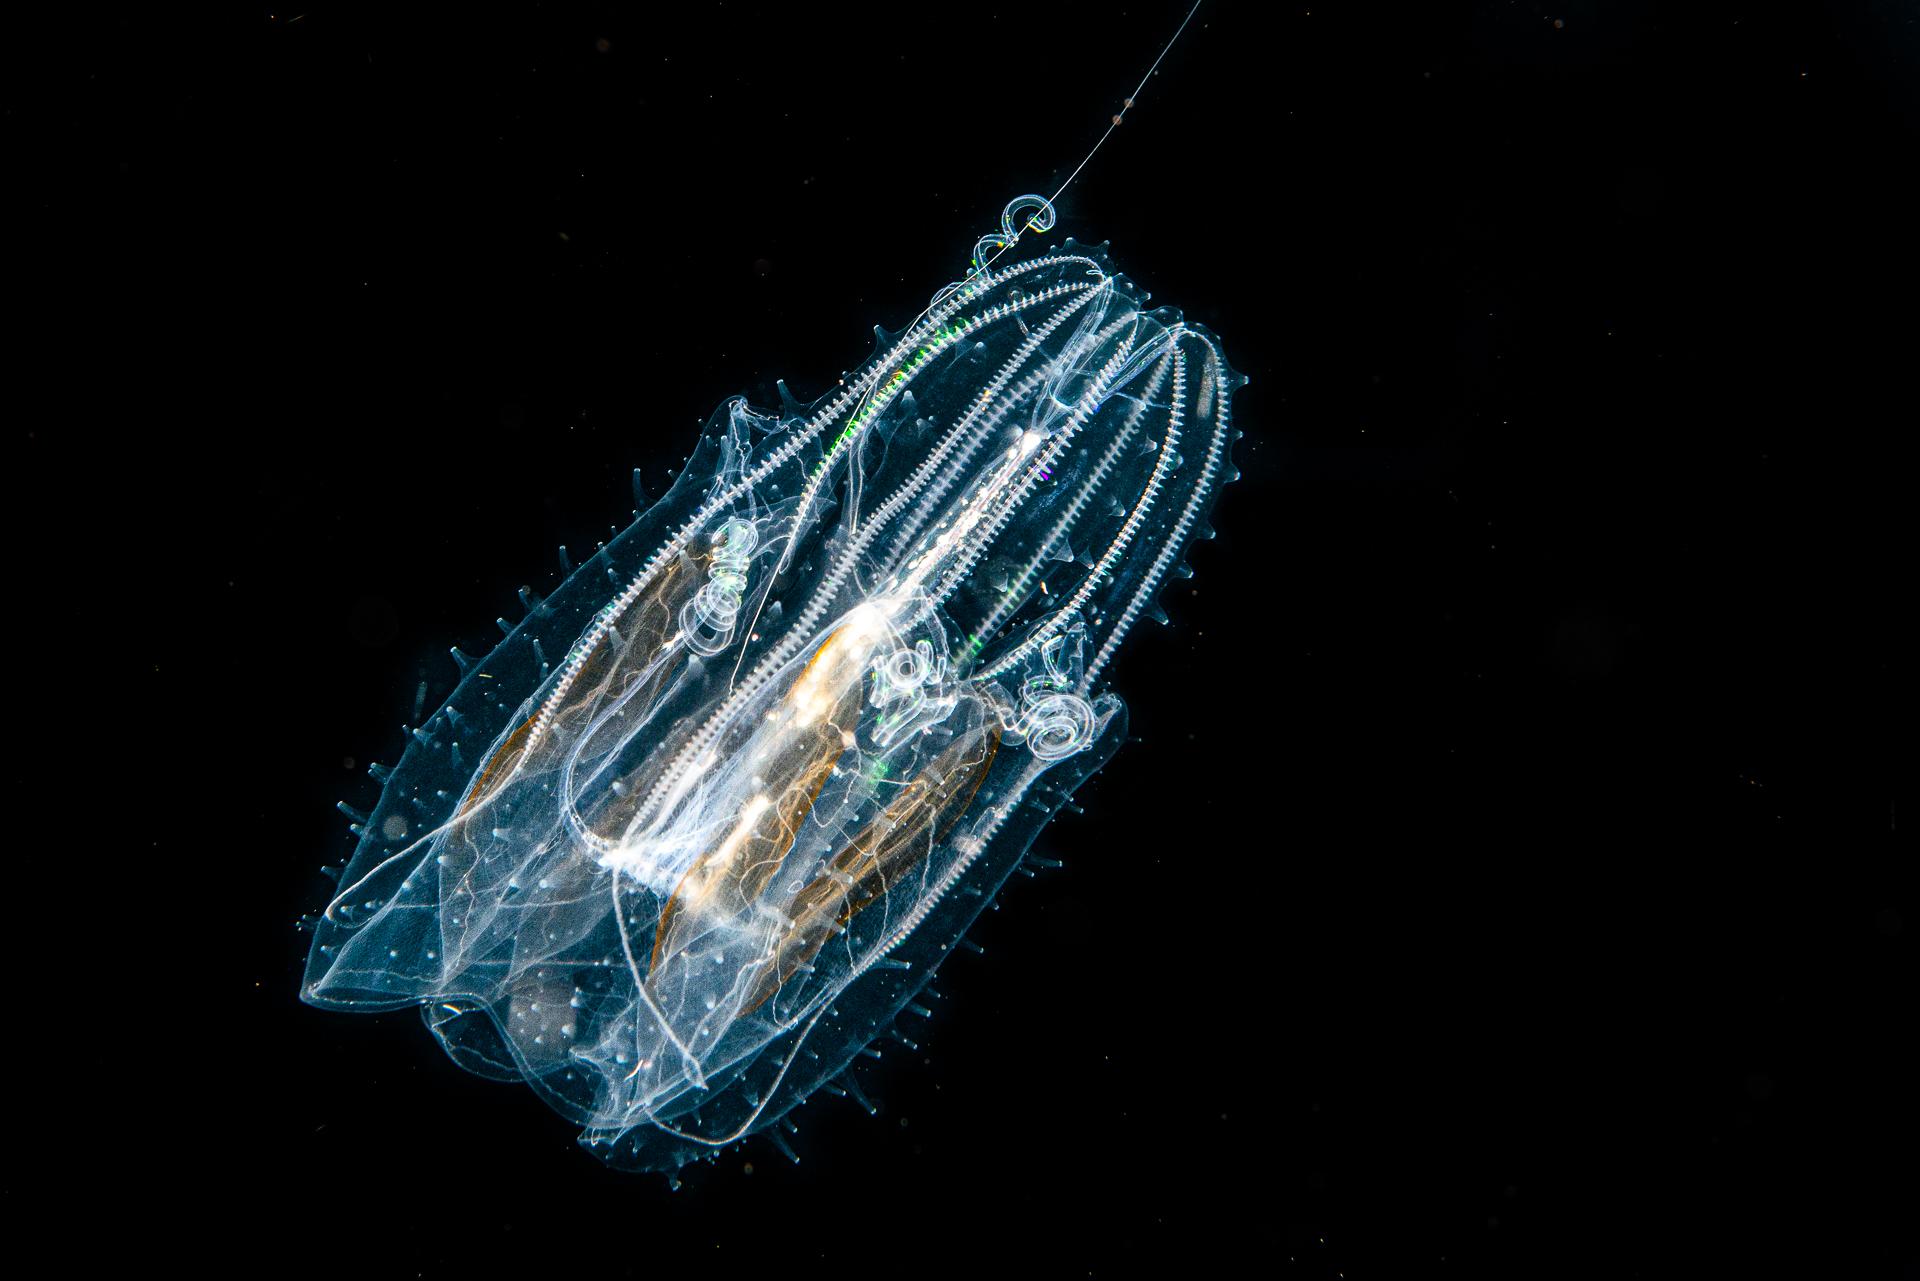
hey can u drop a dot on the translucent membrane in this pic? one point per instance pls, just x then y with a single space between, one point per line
702 826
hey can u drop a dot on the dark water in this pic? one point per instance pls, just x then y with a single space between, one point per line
1504 879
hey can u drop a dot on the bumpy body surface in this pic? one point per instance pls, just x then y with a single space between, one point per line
704 823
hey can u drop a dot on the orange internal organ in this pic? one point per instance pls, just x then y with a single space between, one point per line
885 850
808 739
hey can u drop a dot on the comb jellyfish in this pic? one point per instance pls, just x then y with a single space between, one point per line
700 828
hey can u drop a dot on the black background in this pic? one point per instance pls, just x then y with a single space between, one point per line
1503 879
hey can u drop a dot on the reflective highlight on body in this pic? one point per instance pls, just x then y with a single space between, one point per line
702 826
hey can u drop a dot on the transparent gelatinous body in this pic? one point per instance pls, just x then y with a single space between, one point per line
704 823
